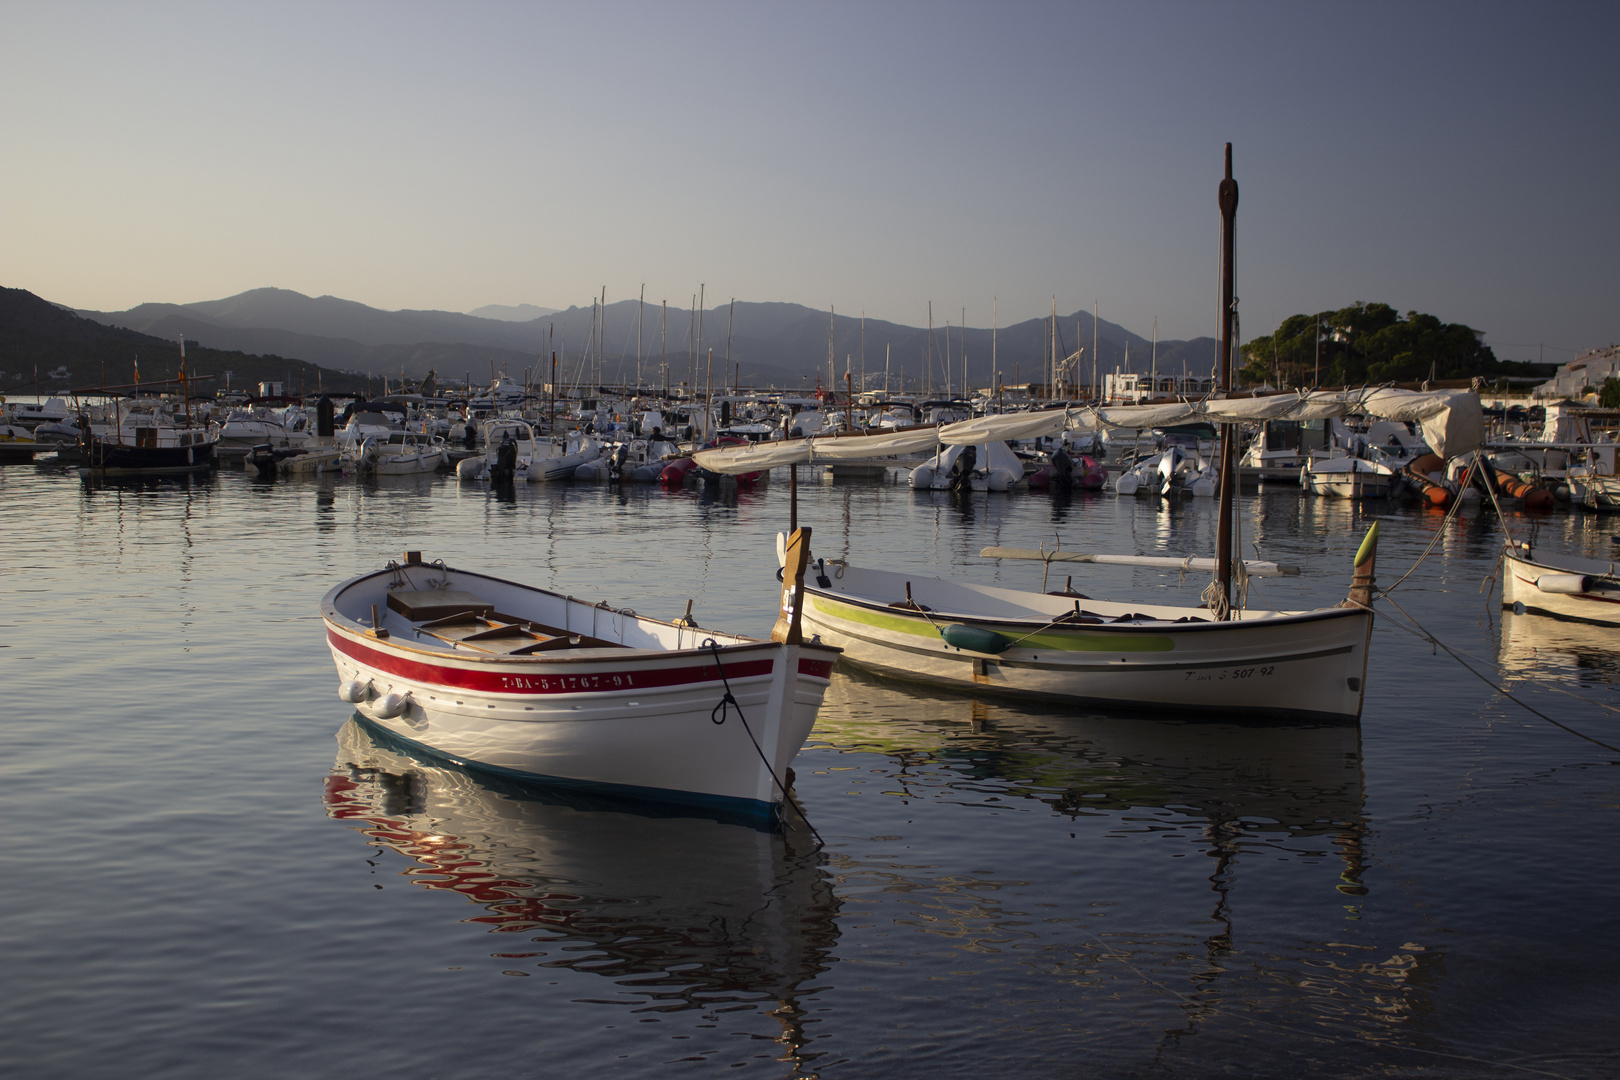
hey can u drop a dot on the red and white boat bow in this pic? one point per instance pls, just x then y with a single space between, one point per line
543 687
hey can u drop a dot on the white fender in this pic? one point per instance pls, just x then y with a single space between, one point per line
1564 584
469 468
391 705
354 690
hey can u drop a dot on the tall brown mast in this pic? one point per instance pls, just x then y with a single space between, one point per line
1227 195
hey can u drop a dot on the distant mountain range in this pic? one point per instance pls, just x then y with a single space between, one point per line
39 338
769 343
511 312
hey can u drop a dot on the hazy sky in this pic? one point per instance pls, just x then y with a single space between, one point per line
1461 159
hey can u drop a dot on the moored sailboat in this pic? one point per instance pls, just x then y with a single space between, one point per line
1210 658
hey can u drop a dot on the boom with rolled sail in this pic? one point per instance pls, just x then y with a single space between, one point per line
1451 420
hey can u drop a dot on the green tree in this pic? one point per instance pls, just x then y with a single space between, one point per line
1609 396
1367 343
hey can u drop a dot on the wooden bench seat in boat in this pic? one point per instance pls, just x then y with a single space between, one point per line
419 605
508 635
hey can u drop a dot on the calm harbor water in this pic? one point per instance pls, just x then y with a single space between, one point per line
211 871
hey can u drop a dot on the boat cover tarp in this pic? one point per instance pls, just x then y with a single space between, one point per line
1451 421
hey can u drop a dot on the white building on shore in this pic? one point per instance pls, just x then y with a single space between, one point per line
1588 369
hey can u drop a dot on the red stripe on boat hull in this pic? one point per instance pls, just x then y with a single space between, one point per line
529 682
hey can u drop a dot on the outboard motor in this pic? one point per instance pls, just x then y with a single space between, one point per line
505 461
469 437
1062 476
962 469
618 461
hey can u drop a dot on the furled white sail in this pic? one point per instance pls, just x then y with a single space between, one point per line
1451 420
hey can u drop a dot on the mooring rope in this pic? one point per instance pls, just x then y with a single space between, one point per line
1456 504
722 710
1418 630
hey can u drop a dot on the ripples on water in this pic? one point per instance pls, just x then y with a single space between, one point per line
202 880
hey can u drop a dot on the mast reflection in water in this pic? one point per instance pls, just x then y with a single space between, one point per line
679 910
1240 796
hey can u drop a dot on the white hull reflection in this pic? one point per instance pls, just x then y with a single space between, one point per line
674 906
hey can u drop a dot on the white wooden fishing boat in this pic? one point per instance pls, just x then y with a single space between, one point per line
542 687
1347 478
127 450
1214 658
1071 647
1567 586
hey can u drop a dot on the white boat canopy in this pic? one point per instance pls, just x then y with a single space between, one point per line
1451 421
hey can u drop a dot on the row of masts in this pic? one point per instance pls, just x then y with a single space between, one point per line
1060 376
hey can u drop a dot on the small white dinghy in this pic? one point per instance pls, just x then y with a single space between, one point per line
1348 478
1567 586
541 687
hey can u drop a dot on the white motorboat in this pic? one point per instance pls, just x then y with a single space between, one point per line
1568 586
1176 469
560 457
990 466
315 455
639 460
511 453
540 686
29 415
1347 478
402 453
18 445
246 429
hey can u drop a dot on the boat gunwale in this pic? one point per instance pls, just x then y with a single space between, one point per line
739 643
1086 662
1036 623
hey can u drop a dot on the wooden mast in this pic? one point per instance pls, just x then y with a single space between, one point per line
1227 196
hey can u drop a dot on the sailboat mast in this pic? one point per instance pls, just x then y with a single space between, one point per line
1227 196
928 383
731 320
1051 355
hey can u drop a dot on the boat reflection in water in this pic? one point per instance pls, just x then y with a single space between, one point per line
1540 646
1273 814
1300 779
681 910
